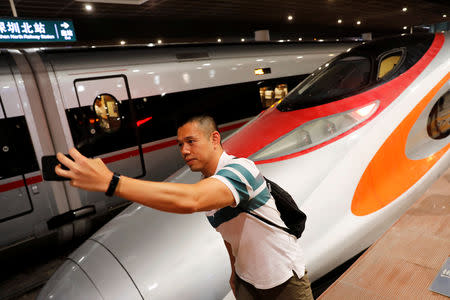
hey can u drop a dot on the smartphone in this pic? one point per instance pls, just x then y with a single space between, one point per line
49 162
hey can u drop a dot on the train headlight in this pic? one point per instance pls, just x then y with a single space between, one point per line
316 132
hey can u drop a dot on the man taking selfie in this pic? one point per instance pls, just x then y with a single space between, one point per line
266 262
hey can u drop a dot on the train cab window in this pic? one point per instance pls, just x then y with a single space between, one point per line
439 119
270 95
332 81
389 63
106 108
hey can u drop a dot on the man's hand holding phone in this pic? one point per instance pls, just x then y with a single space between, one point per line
85 173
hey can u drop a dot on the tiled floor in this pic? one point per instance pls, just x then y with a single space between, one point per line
403 263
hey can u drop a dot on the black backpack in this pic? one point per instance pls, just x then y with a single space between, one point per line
291 215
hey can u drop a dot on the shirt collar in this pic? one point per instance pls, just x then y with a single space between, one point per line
223 161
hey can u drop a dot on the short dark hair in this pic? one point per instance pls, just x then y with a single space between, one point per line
202 119
205 121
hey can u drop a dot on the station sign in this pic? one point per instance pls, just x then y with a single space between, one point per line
28 30
441 284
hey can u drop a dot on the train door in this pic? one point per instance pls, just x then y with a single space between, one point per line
19 169
105 124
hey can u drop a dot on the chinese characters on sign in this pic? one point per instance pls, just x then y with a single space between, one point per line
18 30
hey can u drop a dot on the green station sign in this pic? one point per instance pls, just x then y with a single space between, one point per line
27 31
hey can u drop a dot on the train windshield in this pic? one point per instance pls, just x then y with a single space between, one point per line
357 70
337 79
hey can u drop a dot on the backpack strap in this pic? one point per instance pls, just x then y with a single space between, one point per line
265 220
261 218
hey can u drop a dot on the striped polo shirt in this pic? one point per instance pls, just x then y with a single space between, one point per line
265 255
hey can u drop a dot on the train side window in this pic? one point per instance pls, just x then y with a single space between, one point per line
439 119
17 155
389 63
106 108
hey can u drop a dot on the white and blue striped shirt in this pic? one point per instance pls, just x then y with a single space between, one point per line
265 255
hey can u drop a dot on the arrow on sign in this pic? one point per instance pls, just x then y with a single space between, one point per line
65 25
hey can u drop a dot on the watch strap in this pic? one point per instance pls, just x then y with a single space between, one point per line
113 185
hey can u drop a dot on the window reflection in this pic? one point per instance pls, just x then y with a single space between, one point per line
270 95
107 110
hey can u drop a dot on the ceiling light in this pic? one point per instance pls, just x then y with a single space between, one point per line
219 40
129 2
339 21
404 9
405 27
242 40
444 16
358 22
159 41
300 39
299 56
88 7
123 42
290 18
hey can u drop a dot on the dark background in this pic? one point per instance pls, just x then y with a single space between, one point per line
176 21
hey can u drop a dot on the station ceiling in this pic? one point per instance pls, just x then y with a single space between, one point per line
231 20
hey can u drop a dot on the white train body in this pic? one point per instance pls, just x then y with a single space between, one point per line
47 105
354 161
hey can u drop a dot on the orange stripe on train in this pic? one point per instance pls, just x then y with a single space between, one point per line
390 173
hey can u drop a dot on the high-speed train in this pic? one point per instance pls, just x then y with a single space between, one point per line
121 104
355 143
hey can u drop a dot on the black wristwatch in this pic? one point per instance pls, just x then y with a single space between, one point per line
112 185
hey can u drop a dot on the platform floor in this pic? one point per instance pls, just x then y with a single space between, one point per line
403 263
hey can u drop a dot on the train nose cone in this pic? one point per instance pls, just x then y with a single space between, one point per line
146 254
67 283
83 276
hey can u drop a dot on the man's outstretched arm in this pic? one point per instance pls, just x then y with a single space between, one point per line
94 175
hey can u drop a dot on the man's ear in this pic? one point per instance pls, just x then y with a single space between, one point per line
215 137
